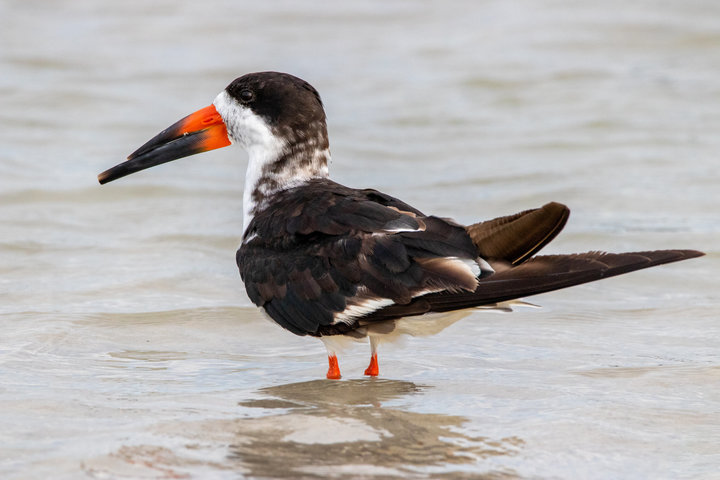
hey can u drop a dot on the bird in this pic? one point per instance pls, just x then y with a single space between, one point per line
349 264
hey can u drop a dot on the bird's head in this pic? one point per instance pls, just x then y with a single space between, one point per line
267 113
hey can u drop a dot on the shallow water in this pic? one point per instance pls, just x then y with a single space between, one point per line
128 346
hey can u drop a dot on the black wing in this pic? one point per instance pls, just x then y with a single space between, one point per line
538 275
325 254
516 238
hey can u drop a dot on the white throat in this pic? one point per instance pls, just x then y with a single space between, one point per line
265 150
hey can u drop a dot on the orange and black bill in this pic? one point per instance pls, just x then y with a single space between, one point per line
198 132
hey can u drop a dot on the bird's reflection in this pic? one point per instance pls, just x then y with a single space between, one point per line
325 394
326 428
316 429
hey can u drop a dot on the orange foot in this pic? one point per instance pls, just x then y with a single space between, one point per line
373 369
333 368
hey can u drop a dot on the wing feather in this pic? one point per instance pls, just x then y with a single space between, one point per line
515 238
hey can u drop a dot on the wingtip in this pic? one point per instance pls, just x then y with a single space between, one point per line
556 206
560 211
687 254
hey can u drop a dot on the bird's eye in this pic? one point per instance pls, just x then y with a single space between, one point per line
246 95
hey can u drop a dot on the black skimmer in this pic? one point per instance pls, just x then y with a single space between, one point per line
334 262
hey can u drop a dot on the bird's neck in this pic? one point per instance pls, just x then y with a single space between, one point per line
282 165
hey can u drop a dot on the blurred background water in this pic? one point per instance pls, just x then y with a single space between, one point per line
128 348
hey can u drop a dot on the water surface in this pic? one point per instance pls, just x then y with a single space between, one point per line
129 348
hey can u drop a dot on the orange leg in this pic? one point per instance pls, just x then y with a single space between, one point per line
333 368
373 369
